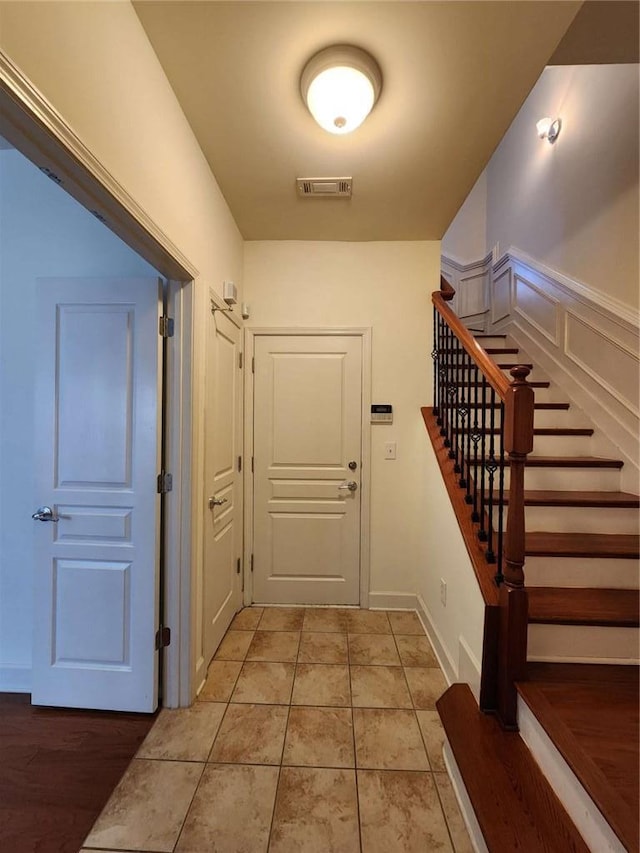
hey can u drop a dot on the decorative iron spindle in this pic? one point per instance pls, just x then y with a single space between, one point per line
501 508
482 533
442 373
468 374
435 359
463 411
492 466
451 395
456 407
476 435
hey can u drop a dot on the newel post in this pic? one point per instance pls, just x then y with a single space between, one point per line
518 443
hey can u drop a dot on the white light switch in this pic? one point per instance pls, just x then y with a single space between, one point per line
390 450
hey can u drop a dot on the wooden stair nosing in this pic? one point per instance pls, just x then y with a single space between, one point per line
518 810
612 608
558 462
560 407
623 822
541 431
475 384
482 336
587 545
610 500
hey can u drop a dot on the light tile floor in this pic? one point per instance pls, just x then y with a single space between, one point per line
315 732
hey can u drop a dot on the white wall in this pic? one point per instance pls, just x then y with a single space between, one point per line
385 286
43 232
465 240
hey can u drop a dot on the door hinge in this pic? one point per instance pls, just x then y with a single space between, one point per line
253 365
240 360
239 464
165 326
163 637
252 562
165 482
238 566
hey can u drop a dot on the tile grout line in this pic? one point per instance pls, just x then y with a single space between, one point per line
355 752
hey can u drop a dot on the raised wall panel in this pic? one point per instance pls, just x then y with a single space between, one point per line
308 397
102 524
537 307
605 359
94 396
225 408
501 296
320 537
91 613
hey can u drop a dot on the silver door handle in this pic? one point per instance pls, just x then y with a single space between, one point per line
216 502
44 513
348 485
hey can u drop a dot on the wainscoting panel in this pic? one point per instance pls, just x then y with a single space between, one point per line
537 307
501 295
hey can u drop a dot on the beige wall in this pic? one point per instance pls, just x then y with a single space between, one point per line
466 238
94 62
573 205
385 286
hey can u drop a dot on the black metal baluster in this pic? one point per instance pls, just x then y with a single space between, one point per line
442 373
451 394
501 508
434 357
463 411
445 388
454 399
476 435
492 467
482 533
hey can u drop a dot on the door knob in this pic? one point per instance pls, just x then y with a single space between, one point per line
349 485
44 513
216 502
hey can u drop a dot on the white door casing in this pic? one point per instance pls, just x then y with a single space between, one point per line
222 504
96 579
307 428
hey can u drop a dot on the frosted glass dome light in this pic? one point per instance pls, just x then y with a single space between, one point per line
340 86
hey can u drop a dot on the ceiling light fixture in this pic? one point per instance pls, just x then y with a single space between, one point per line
340 86
549 128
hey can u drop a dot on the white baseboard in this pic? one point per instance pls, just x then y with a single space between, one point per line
466 809
393 601
447 665
15 679
594 829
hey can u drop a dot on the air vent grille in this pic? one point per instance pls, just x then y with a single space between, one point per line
324 187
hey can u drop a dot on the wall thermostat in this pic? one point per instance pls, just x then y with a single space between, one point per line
381 413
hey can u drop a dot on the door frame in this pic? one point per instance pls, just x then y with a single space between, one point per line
36 129
365 333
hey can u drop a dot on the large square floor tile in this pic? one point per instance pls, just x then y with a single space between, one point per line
148 807
234 645
415 651
379 687
316 647
388 740
320 684
221 679
400 812
282 619
251 734
426 685
325 620
316 812
367 622
373 649
264 683
434 737
319 737
231 812
453 816
274 646
183 734
247 619
405 623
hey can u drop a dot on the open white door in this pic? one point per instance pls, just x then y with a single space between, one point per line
96 538
223 481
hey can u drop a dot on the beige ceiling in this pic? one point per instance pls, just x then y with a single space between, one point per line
454 76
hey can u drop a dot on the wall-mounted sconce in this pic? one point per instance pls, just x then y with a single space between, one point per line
549 128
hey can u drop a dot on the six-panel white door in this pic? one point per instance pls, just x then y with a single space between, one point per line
307 449
222 583
96 577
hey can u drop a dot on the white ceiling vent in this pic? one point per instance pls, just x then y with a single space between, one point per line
324 187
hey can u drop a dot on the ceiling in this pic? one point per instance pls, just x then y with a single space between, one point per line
454 77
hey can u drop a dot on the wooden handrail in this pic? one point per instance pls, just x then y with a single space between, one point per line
495 377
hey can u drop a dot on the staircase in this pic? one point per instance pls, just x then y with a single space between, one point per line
582 543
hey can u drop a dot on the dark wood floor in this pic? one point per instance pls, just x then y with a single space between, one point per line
58 768
591 713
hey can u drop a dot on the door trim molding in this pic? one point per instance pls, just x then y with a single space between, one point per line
36 128
365 333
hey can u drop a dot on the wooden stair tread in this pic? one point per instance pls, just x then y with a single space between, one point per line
483 336
590 713
540 406
613 500
547 431
475 384
605 607
516 809
620 545
560 462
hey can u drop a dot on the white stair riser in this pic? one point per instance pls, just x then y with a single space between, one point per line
562 445
581 519
597 573
582 643
577 479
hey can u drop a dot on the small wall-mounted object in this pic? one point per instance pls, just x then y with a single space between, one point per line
382 413
549 128
246 313
229 292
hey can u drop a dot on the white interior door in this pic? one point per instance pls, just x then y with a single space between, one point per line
307 450
96 578
222 582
